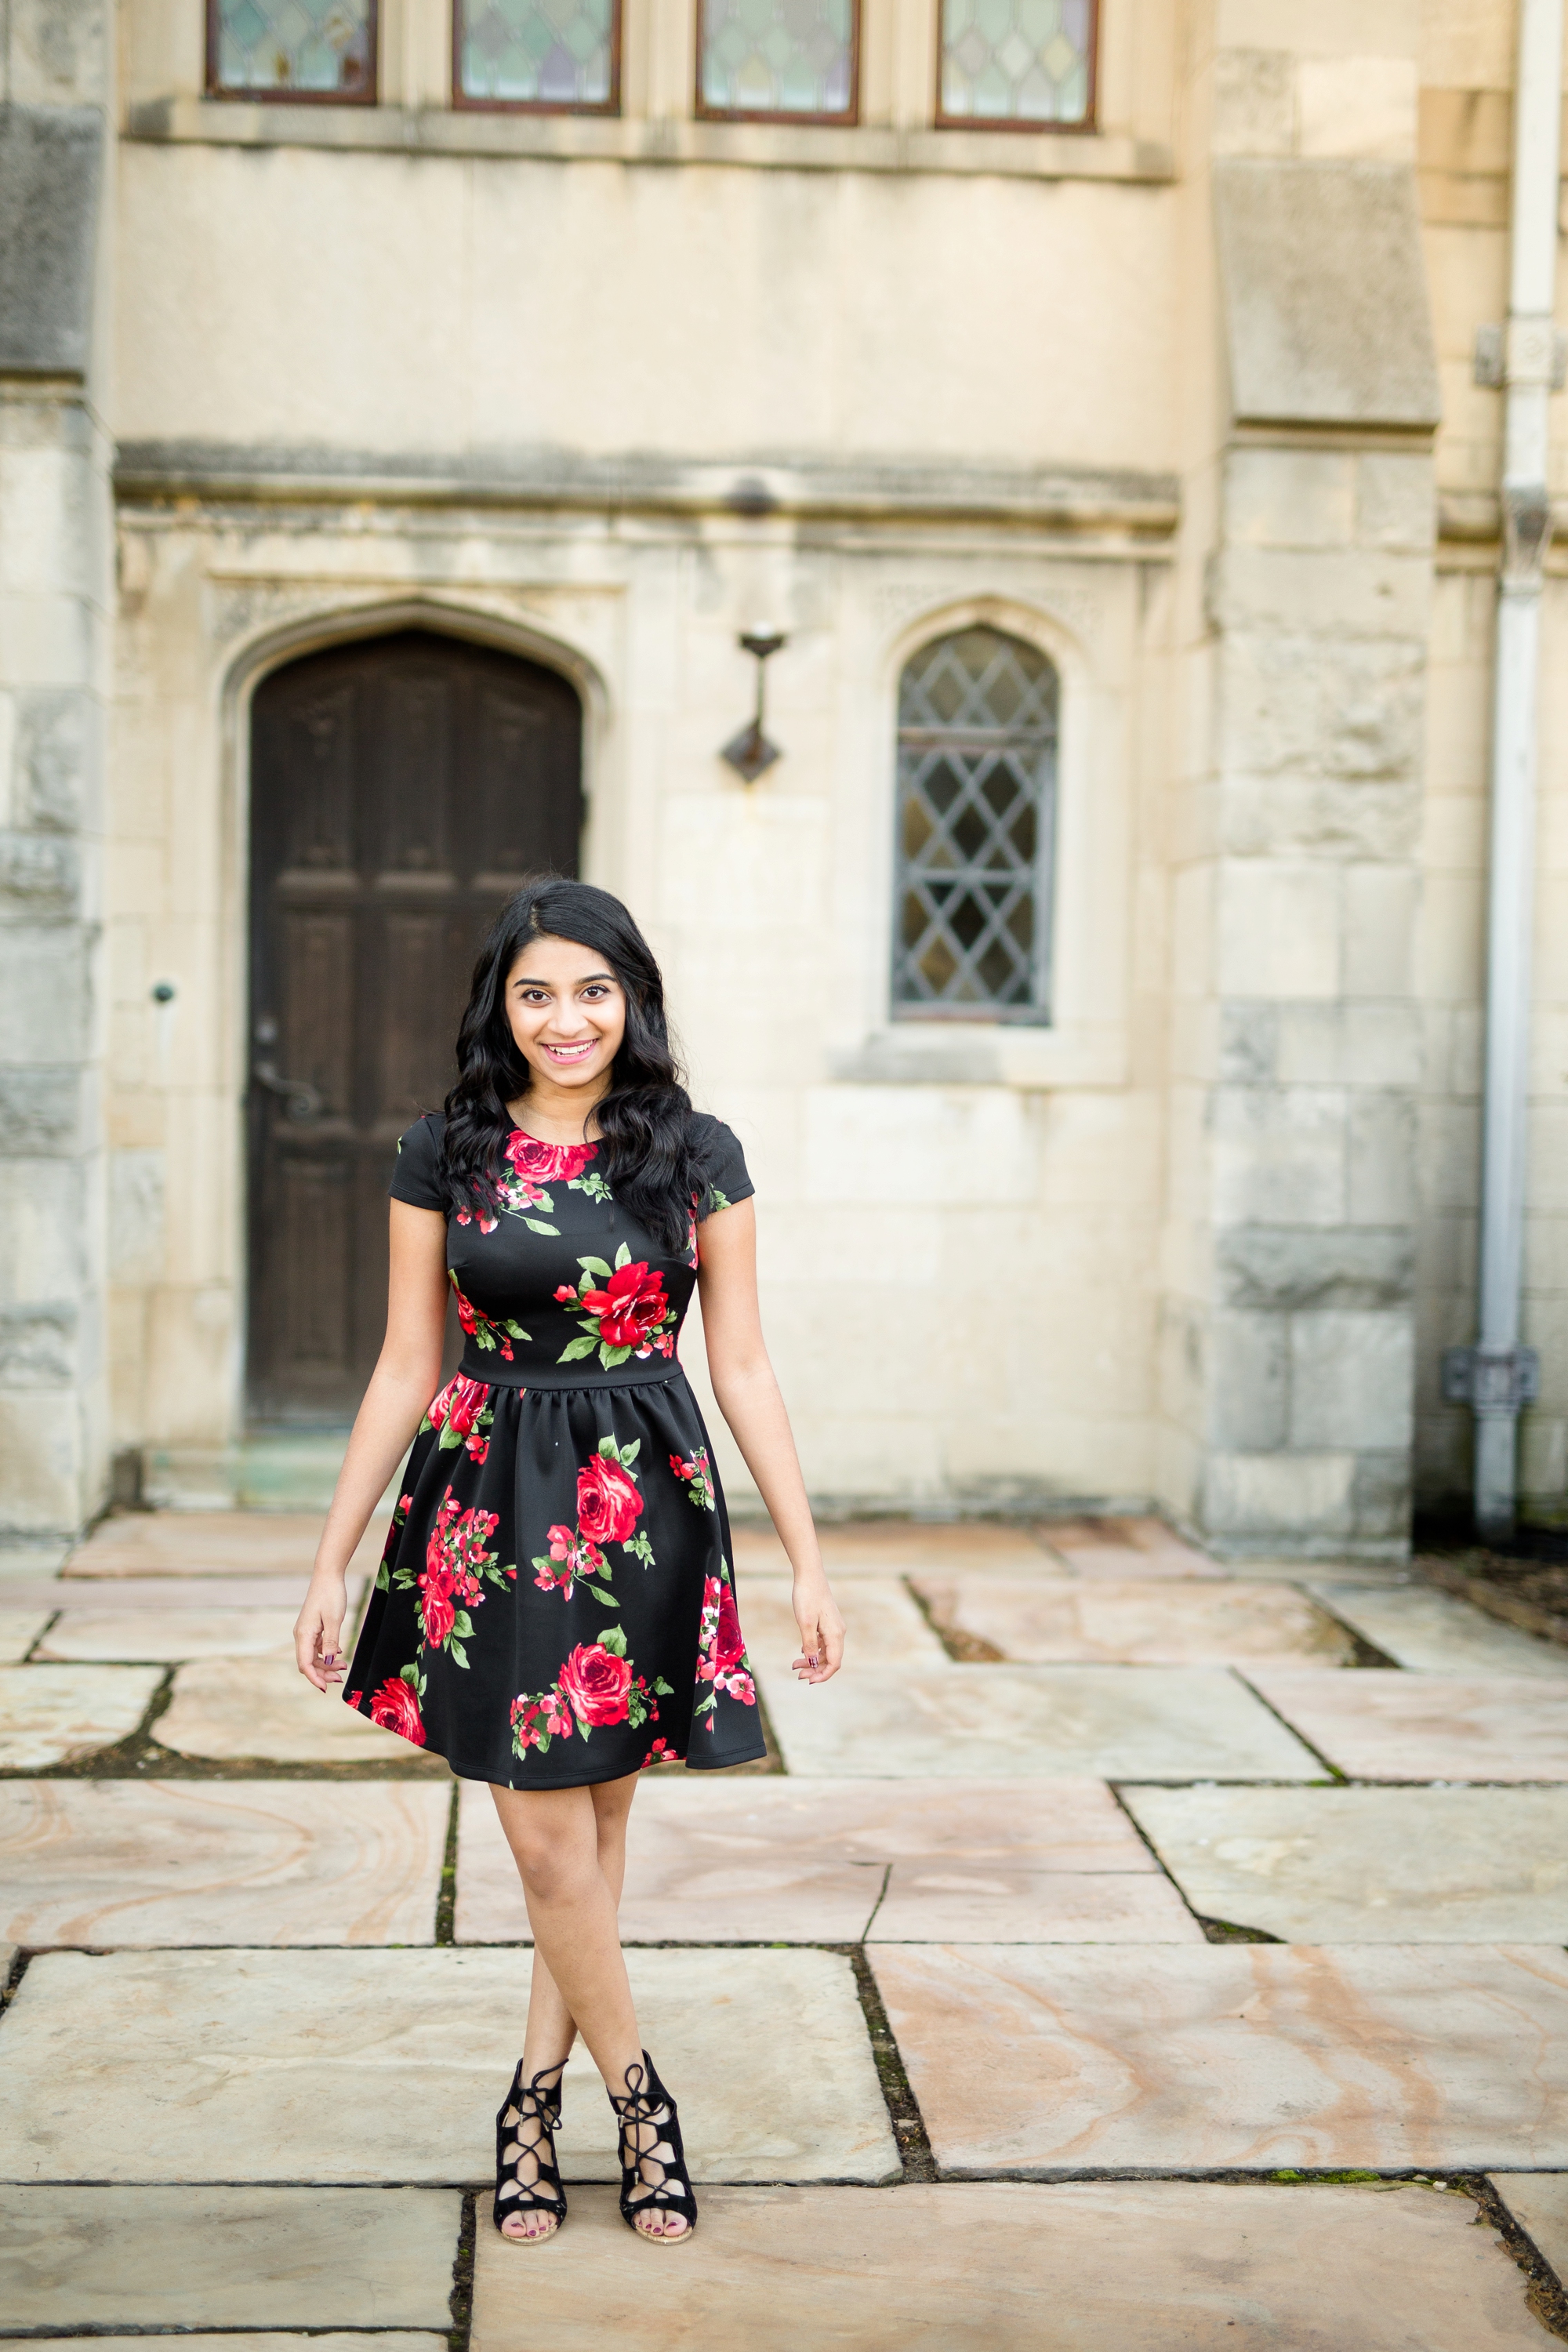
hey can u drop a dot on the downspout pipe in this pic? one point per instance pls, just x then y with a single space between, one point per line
1502 1376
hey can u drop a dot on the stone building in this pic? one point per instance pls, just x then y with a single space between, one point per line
406 417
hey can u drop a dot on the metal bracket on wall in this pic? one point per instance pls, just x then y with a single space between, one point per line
1492 1380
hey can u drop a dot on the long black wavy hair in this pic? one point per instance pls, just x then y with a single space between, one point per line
651 1159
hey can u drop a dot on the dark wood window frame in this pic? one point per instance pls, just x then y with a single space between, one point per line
463 104
1011 124
369 96
848 120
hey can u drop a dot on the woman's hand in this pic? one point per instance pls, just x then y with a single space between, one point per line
319 1631
821 1632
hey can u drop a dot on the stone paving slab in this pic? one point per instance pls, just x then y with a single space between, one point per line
160 1593
212 1543
1124 1547
1063 1621
882 1623
19 1628
1434 1634
171 1635
229 1709
1380 1725
900 1548
1013 2266
56 1714
999 1722
390 2339
1369 1865
223 2258
361 2066
1538 2203
119 1863
768 1859
1181 2059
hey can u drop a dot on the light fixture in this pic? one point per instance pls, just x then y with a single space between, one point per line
750 753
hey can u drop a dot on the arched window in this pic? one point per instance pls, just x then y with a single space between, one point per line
976 806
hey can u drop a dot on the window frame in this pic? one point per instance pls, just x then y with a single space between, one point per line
609 107
848 120
1012 125
225 95
1041 1011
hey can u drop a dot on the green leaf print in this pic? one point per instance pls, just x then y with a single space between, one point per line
623 1255
576 1349
614 1640
538 1225
628 1453
456 1651
611 1357
595 1266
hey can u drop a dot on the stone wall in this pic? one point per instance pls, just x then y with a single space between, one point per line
56 541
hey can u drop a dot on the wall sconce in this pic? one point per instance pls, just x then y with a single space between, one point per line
749 752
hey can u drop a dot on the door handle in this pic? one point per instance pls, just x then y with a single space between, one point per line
301 1099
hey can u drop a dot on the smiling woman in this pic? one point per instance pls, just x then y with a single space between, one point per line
555 1609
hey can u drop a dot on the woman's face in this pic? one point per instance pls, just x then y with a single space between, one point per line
568 1013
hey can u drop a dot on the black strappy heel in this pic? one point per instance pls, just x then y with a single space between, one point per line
526 2124
648 2105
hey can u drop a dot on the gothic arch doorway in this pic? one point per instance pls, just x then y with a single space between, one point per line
402 787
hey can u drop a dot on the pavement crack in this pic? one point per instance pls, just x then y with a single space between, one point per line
446 1900
914 2148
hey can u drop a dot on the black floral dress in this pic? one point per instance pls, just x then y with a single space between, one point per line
557 1601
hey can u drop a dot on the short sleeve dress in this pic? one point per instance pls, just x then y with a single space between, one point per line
557 1601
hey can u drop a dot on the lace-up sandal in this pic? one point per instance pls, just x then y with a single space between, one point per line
526 2126
656 2179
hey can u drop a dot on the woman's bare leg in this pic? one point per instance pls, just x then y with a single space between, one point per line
570 1849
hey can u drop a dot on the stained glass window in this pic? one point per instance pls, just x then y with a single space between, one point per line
977 774
1028 62
557 56
788 59
292 48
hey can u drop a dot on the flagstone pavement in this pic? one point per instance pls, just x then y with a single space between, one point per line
1127 1951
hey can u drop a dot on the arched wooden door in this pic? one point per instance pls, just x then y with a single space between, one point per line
401 789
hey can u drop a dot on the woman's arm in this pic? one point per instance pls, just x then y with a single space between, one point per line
750 1401
406 1376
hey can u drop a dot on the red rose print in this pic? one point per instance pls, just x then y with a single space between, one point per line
462 1399
595 1683
630 1307
354 1698
435 1588
608 1505
395 1708
466 1314
728 1645
547 1163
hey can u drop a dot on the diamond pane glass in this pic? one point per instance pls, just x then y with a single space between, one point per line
320 48
778 56
540 53
977 770
1016 60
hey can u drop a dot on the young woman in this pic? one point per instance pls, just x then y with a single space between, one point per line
556 1608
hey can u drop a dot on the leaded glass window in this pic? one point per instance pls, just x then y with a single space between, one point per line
1027 63
976 794
298 49
778 60
559 56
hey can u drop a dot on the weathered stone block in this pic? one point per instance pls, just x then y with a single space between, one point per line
1249 1042
1291 1500
43 1219
40 1112
1357 107
1395 500
1324 293
1380 1160
46 993
1247 1362
38 1344
135 1215
41 1446
1289 497
1279 929
1371 593
1351 1381
1380 920
1275 816
1289 705
1279 1156
59 758
1289 1269
50 162
41 874
1254 102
